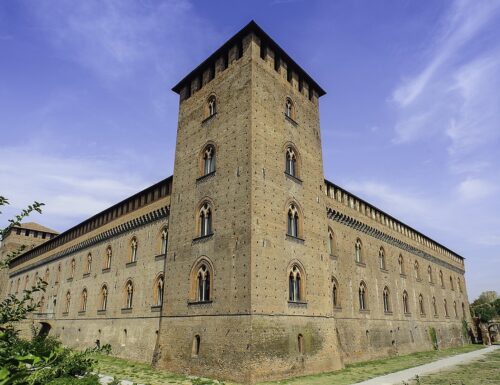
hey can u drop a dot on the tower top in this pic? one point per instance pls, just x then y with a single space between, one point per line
236 40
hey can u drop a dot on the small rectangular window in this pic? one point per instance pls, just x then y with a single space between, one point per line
44 235
18 232
35 234
27 233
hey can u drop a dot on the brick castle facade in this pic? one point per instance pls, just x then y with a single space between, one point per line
246 264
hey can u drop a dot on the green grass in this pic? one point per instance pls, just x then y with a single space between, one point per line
485 371
143 373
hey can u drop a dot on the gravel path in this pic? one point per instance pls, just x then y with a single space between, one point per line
436 366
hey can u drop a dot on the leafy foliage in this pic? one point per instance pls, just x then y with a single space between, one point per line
433 335
486 306
42 360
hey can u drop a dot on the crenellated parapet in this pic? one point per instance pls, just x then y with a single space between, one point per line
372 213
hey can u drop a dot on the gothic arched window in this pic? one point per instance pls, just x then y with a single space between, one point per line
421 304
417 271
293 221
164 241
158 291
331 242
363 305
83 300
295 284
203 277
445 308
429 274
459 285
129 294
68 302
133 249
289 109
452 287
401 264
434 307
73 268
291 161
335 293
109 257
385 295
212 105
406 307
358 251
104 297
381 258
89 263
208 156
205 220
455 309
441 280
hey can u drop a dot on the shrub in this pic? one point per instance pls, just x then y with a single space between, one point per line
433 335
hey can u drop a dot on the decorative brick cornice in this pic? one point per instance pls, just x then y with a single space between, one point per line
133 224
373 232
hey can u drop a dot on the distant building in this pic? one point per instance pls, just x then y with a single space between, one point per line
247 264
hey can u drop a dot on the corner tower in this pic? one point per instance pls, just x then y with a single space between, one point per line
246 295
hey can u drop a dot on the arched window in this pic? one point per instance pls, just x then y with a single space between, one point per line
406 307
429 274
73 268
295 284
381 258
289 108
421 304
68 302
133 249
335 293
434 307
291 161
212 106
89 263
158 291
363 305
300 343
445 303
129 294
195 350
293 221
463 310
401 264
459 285
203 277
209 159
441 280
109 256
417 271
358 256
104 297
331 242
164 241
83 301
385 295
205 220
455 309
451 283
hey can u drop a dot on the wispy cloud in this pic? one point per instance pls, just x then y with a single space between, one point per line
116 38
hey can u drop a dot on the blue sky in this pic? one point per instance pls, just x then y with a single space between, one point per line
410 122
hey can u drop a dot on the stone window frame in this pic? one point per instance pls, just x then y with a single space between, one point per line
445 305
72 268
163 237
416 268
84 296
67 304
158 289
128 291
382 259
331 246
452 286
108 257
421 305
294 220
430 277
455 310
363 296
336 295
290 151
103 297
204 227
209 149
202 291
434 307
386 300
406 303
358 252
441 278
88 269
290 109
297 279
133 248
401 263
211 106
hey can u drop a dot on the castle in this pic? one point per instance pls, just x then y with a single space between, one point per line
246 264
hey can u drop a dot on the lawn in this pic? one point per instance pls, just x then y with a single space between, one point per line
143 373
485 371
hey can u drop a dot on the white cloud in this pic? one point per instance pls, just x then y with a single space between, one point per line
72 188
474 188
